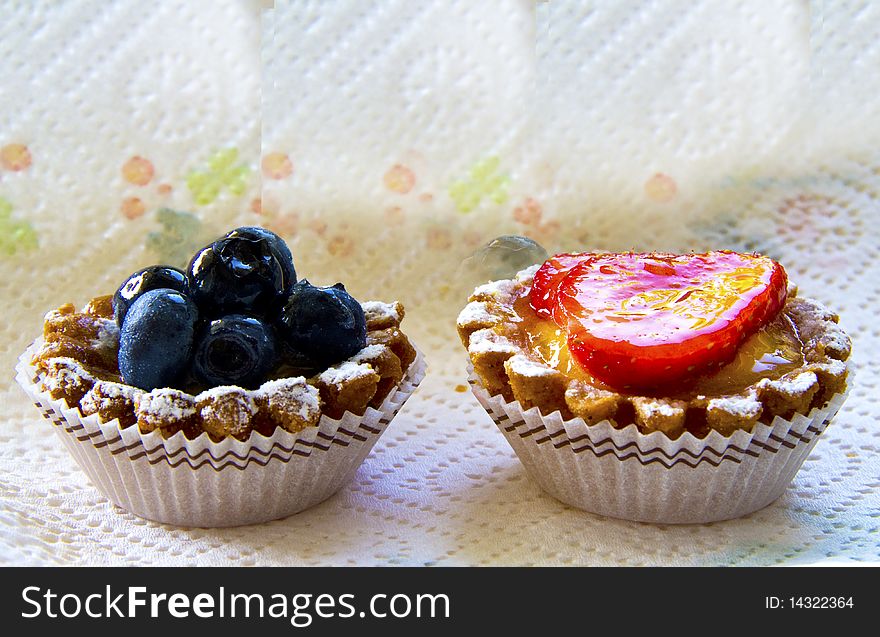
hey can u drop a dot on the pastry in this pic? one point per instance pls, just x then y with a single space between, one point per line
233 362
332 353
696 348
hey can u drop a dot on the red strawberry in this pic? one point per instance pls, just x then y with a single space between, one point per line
651 320
542 298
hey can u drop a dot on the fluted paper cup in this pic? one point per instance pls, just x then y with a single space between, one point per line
201 483
623 473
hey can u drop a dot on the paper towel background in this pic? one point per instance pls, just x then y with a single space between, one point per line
387 141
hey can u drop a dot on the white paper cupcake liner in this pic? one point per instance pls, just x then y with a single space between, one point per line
200 483
625 474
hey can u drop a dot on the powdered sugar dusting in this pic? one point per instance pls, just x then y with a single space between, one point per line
836 340
818 311
110 389
483 322
64 371
656 408
495 289
379 311
220 392
477 313
105 395
485 341
53 316
226 410
68 367
832 367
291 402
370 352
107 338
344 373
526 275
524 366
225 392
292 395
746 407
797 386
166 404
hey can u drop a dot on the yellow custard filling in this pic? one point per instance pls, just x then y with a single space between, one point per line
773 351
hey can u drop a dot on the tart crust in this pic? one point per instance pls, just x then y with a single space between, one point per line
77 362
489 327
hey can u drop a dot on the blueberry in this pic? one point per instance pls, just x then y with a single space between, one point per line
156 340
234 350
325 324
276 244
244 272
151 278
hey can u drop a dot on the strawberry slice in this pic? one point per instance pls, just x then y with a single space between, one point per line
542 297
651 320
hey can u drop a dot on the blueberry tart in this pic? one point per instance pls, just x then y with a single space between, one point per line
229 366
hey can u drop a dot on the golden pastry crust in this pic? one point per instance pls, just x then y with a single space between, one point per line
226 411
396 341
386 364
77 362
90 339
290 403
168 411
100 306
111 400
66 379
347 387
488 327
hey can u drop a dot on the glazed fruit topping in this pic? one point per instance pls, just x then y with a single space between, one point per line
655 320
151 278
276 245
547 280
245 271
234 350
325 324
156 339
233 317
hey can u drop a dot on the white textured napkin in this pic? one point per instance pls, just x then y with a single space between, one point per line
391 139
